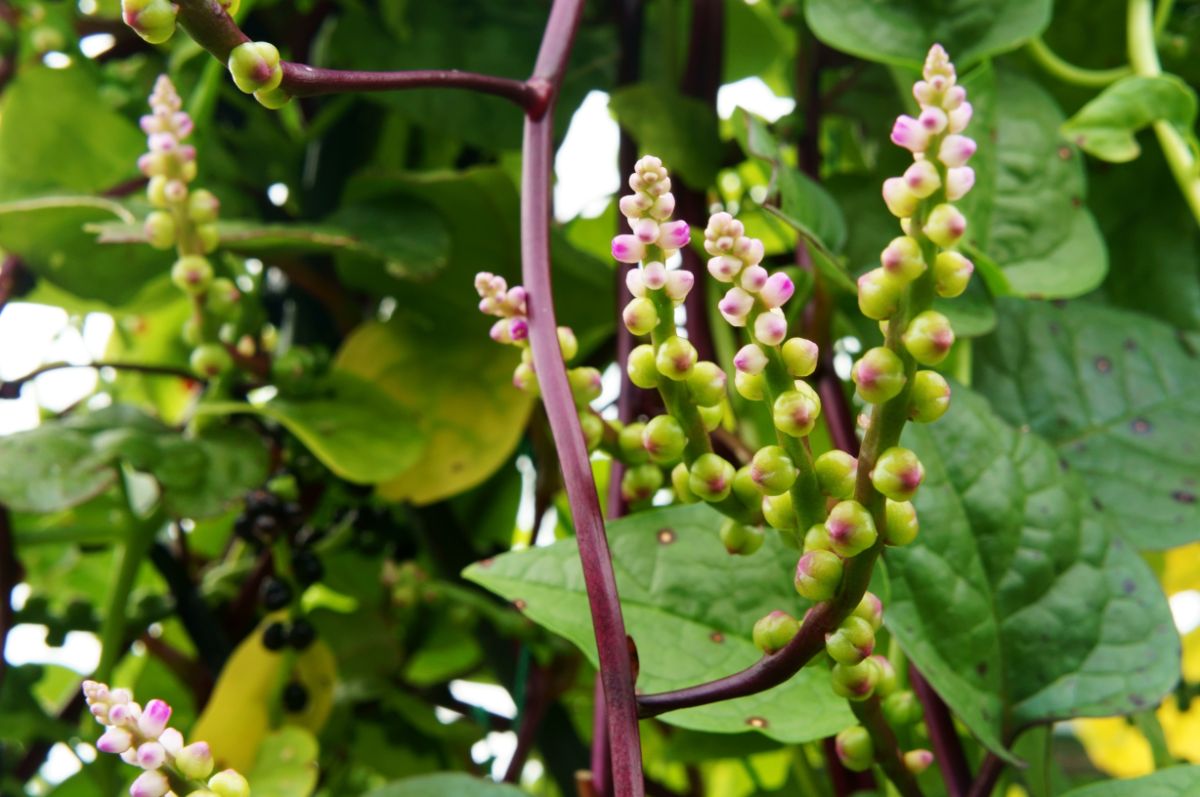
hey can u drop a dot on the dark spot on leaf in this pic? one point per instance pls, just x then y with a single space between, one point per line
1137 700
1184 497
757 722
1076 202
717 636
1128 586
1064 153
1130 344
1096 502
519 605
981 668
487 562
1140 426
457 467
1063 464
666 536
1103 365
1053 329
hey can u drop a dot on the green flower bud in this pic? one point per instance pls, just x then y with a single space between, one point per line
210 237
836 473
567 343
851 529
663 439
195 761
879 375
772 470
191 330
629 440
929 337
749 386
795 412
800 356
273 99
203 206
210 360
870 608
229 783
745 488
852 642
679 480
818 575
639 316
929 398
779 512
712 416
879 294
156 192
711 477
902 709
855 749
855 681
740 539
675 359
917 761
585 384
192 274
593 429
222 298
153 20
641 483
706 384
902 259
902 525
817 538
254 66
773 632
951 273
888 682
898 473
641 368
160 230
945 225
525 378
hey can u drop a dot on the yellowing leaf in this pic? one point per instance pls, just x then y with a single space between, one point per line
1115 746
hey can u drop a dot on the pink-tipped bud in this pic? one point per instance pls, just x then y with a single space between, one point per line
960 117
879 294
679 284
959 181
195 761
956 150
646 230
735 305
929 337
770 328
633 206
951 273
151 755
171 740
902 259
151 783
501 332
750 359
933 119
640 316
628 249
663 207
955 97
910 134
800 356
923 93
753 278
229 783
922 178
635 282
115 741
917 761
724 267
901 201
749 250
154 718
655 275
674 235
777 290
945 225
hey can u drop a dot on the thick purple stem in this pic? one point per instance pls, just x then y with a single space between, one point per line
301 80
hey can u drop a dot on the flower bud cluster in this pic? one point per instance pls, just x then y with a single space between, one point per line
141 736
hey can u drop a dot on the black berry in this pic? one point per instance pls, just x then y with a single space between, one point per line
302 634
276 594
275 636
295 697
307 567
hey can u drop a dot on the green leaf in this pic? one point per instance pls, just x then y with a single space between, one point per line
679 129
1116 392
1106 127
1179 781
689 607
1017 601
444 784
901 31
356 429
286 764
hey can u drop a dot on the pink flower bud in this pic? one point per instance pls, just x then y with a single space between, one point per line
902 258
778 289
956 150
114 740
674 235
120 714
518 329
922 178
154 719
735 306
900 199
501 331
663 207
655 275
634 205
960 117
945 225
515 299
152 783
750 359
151 755
628 249
724 267
917 761
635 282
749 250
195 761
933 119
753 279
646 230
959 181
923 93
771 328
175 190
910 134
171 740
679 284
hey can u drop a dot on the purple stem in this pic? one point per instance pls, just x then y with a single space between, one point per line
989 773
947 747
301 80
601 749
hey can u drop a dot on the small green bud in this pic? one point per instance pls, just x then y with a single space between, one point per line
888 682
852 642
229 783
153 20
273 99
902 525
191 330
772 470
641 368
210 360
951 273
195 761
902 259
706 384
203 206
222 298
679 480
800 356
779 512
639 316
160 230
851 529
795 412
817 538
641 483
740 539
945 225
898 473
836 473
585 384
675 359
879 375
773 632
156 192
593 429
254 66
818 575
855 681
879 294
210 237
870 608
917 761
855 749
711 416
192 274
629 440
929 337
749 386
745 489
711 477
525 378
567 343
902 709
929 398
663 439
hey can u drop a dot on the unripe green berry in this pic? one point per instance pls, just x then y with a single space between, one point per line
929 337
209 236
879 375
711 416
641 368
203 206
836 473
898 473
222 298
902 709
929 398
740 539
706 384
641 483
817 538
711 477
210 360
679 480
879 294
779 512
951 273
567 343
229 783
855 749
745 489
917 761
593 429
749 386
192 274
800 356
273 99
902 525
525 378
795 412
663 439
945 225
855 681
870 608
255 66
640 316
818 575
851 529
629 440
160 230
585 384
773 632
772 470
888 682
852 642
675 358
